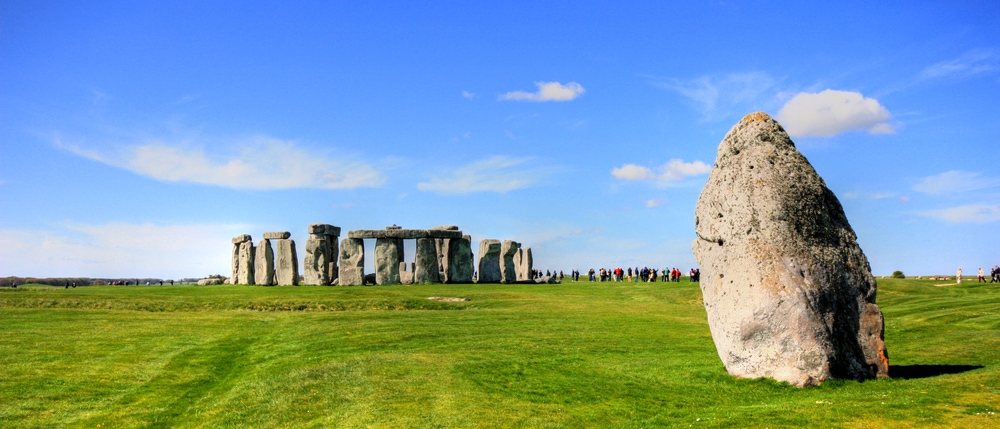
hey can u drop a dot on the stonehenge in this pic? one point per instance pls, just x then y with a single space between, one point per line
443 255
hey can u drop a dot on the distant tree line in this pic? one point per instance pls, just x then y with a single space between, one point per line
88 281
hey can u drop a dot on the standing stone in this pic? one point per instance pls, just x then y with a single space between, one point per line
508 271
524 264
406 271
263 264
352 262
388 255
316 260
287 270
788 292
236 265
333 253
489 261
426 270
246 272
442 245
460 262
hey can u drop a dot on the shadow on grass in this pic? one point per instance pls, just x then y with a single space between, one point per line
907 372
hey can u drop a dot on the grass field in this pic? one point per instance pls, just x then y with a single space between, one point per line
571 355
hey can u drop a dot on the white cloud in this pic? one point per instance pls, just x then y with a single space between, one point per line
497 174
469 95
262 163
955 181
723 93
547 91
970 63
832 112
675 170
654 202
973 213
118 250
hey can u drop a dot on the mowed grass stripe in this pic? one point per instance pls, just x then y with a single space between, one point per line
570 355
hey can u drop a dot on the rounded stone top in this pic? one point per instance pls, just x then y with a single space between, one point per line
755 116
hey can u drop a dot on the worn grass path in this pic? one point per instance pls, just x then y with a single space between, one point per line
571 355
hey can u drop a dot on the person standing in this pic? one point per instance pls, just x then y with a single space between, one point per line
982 276
958 275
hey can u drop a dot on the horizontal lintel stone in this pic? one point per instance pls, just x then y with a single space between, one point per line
277 235
402 233
241 238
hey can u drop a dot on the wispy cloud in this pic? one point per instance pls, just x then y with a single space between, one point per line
676 170
656 202
718 95
955 181
260 163
547 91
469 95
498 174
973 213
872 196
118 250
970 63
832 112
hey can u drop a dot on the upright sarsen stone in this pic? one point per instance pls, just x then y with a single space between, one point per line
489 261
237 243
287 270
426 262
523 264
508 271
263 264
316 260
788 292
352 262
460 263
388 255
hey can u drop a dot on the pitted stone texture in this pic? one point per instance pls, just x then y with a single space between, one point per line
316 260
279 235
489 261
508 271
317 228
332 255
460 263
441 246
403 233
788 292
352 262
241 238
287 269
445 228
523 263
263 264
426 270
388 255
246 273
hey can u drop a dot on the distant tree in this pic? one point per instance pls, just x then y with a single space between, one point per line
898 275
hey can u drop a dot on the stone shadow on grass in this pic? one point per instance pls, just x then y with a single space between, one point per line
907 372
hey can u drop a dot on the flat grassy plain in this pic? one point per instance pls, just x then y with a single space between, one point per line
630 355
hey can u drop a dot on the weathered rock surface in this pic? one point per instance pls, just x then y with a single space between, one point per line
263 264
235 264
287 269
352 262
403 233
241 238
279 235
788 291
426 264
370 279
246 272
210 281
460 263
523 263
388 255
489 261
508 271
441 245
316 271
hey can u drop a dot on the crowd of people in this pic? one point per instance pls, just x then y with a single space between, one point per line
629 274
994 275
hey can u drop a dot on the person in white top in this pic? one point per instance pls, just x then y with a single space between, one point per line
982 276
958 275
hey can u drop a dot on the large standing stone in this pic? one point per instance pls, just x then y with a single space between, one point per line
332 254
246 273
789 293
388 255
263 264
316 260
441 245
524 264
236 264
287 270
352 262
508 271
460 263
426 270
489 261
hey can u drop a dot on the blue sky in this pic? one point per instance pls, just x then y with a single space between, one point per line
136 138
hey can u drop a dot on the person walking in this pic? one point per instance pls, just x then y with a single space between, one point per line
982 276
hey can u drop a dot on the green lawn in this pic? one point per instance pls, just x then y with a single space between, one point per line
570 355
